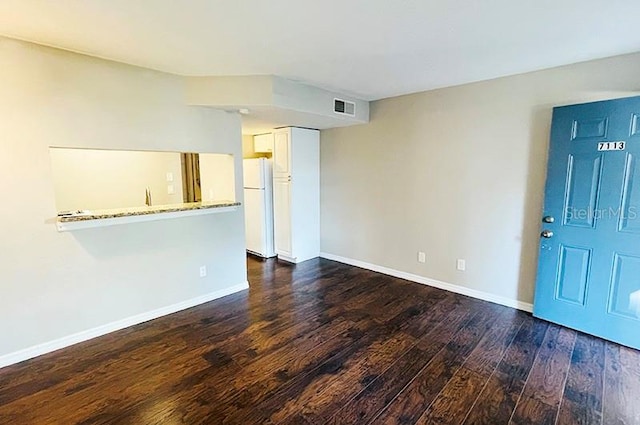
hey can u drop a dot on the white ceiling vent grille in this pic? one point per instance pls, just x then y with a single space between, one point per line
344 107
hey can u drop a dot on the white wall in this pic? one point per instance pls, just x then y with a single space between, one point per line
55 284
258 91
457 173
90 179
217 181
292 95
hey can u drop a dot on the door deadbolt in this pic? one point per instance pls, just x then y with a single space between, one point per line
546 234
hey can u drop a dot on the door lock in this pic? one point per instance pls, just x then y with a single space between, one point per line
546 234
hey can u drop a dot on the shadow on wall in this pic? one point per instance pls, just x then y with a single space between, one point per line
536 177
129 240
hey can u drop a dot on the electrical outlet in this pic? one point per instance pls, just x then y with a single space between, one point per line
203 271
461 265
422 257
169 177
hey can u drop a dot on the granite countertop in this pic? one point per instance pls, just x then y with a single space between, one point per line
156 209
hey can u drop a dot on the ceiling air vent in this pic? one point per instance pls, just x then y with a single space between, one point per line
344 107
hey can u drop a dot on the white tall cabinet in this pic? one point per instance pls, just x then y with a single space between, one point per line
296 193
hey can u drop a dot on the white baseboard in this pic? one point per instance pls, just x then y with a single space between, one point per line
474 293
47 347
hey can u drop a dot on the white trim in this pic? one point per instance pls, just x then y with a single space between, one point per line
474 293
292 260
57 344
68 226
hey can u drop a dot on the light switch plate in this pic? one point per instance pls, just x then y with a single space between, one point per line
170 189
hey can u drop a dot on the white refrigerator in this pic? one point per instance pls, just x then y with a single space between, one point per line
258 206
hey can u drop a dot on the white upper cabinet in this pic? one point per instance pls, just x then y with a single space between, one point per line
263 143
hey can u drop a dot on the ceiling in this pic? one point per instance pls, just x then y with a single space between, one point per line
371 49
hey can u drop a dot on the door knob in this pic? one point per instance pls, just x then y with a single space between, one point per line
548 219
546 234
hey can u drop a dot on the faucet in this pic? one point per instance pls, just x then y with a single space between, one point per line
147 197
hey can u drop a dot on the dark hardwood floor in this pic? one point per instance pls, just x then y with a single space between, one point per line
325 343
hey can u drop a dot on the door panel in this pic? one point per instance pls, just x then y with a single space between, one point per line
635 125
281 154
583 187
625 286
589 263
628 222
589 128
282 216
573 274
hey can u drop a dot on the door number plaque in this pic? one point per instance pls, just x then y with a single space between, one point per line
612 146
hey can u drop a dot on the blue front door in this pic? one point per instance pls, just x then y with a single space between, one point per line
589 268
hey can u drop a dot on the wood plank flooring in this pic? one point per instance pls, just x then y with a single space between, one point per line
326 343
